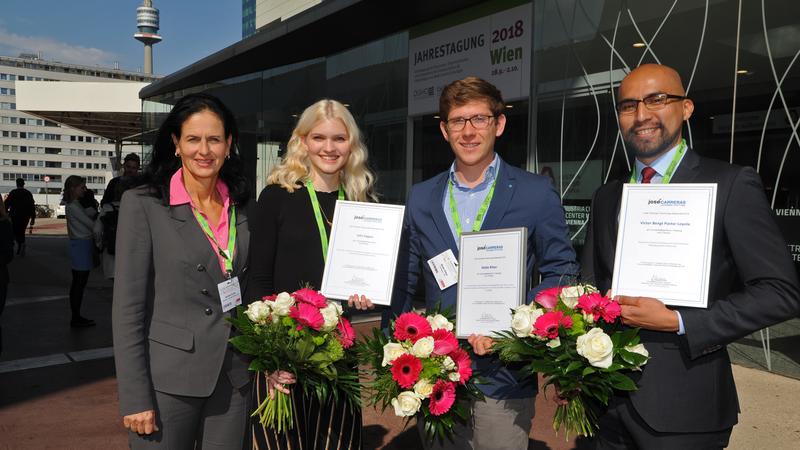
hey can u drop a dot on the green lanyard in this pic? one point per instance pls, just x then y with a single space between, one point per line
672 165
227 255
476 226
323 234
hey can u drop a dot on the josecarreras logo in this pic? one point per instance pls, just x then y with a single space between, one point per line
490 248
369 219
667 202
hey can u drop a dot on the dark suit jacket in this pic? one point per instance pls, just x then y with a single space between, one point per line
170 334
687 386
521 199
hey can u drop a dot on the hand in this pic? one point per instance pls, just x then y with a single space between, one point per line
141 423
360 302
481 345
648 313
557 398
278 380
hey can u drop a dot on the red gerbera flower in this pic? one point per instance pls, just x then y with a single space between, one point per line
599 306
442 397
411 326
306 315
310 296
611 311
463 364
406 369
547 324
269 298
345 334
548 298
444 342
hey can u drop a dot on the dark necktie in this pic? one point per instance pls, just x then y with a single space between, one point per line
647 174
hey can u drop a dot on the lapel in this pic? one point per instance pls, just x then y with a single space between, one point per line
688 169
437 212
195 242
242 239
503 193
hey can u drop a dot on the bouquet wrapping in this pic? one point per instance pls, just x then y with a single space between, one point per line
305 334
422 371
574 337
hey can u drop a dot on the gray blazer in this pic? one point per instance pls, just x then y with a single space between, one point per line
170 334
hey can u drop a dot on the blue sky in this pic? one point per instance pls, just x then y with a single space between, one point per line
100 32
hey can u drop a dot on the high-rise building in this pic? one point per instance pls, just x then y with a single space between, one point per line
36 149
147 24
257 14
248 18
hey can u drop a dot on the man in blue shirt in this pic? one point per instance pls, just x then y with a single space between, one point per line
481 192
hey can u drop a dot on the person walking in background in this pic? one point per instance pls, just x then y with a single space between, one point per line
130 170
105 227
181 255
79 229
325 160
6 255
22 210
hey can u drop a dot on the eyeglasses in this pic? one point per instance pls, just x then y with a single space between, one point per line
652 102
478 121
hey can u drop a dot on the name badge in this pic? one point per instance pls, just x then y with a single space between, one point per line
230 294
445 269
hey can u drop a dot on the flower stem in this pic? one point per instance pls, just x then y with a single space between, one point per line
276 413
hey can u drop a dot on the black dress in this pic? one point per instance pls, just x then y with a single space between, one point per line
286 254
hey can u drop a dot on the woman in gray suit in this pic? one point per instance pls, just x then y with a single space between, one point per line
182 243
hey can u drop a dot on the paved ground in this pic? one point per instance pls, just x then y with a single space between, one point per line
57 387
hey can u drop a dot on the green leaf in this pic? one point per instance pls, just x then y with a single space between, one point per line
621 382
246 344
574 365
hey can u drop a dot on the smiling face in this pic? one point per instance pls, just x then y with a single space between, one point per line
651 133
328 146
473 147
202 146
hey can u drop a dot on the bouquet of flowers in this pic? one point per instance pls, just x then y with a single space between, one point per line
575 338
302 333
421 370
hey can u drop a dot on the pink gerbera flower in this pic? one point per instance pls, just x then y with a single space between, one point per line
599 306
310 296
411 326
406 369
463 364
548 298
444 342
269 298
306 315
442 397
345 334
547 324
611 311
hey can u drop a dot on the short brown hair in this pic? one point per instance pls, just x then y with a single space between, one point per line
461 92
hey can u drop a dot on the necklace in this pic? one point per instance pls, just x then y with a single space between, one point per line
325 216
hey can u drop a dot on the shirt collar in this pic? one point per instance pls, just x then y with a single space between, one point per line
178 195
661 164
487 179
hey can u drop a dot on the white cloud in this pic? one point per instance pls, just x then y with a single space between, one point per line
12 44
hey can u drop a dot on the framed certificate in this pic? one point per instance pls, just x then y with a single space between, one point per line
362 253
491 280
664 242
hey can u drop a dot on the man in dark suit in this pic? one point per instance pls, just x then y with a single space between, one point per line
22 210
686 396
472 118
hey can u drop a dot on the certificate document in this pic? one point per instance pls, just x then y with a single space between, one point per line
664 242
491 280
362 253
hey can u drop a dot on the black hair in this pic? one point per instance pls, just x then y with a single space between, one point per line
164 163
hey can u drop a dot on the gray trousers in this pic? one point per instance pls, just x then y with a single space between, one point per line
494 425
217 422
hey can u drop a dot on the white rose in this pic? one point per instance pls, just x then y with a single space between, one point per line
596 347
282 303
554 343
448 363
570 295
423 388
453 376
406 404
439 321
588 318
640 349
330 314
423 347
523 319
258 312
391 351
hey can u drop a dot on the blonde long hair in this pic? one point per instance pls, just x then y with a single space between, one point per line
295 168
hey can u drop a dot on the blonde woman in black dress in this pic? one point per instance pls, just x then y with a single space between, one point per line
325 161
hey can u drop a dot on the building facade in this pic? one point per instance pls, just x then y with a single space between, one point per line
45 153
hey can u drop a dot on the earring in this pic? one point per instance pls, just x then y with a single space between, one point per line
177 155
228 156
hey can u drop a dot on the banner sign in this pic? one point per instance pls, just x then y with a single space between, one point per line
789 222
496 48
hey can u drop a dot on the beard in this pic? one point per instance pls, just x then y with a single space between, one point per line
650 151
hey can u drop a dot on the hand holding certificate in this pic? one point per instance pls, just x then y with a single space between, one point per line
362 253
491 280
664 242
